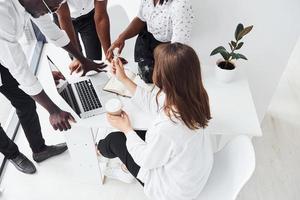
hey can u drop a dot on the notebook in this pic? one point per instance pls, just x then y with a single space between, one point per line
117 87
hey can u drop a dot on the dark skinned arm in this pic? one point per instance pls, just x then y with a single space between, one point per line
134 28
102 24
85 65
80 63
58 118
65 22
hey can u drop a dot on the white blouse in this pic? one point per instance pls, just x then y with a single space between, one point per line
169 22
175 161
13 19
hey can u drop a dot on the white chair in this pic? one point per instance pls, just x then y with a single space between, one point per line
233 167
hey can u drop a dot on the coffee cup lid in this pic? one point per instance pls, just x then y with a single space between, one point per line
113 105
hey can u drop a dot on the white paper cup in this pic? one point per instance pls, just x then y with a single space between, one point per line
114 107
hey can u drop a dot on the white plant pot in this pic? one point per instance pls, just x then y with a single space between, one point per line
225 75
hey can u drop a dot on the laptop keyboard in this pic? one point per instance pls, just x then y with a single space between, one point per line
87 95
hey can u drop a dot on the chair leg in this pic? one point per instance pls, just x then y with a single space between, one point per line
98 134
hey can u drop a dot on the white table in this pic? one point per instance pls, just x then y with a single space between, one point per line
232 108
231 104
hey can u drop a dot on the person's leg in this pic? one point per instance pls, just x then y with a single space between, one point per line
25 109
114 145
12 153
7 146
89 36
28 117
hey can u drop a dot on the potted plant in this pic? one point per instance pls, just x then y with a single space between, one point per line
226 68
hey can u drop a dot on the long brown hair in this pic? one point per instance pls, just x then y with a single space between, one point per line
177 73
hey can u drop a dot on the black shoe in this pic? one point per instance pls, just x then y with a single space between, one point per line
23 164
49 152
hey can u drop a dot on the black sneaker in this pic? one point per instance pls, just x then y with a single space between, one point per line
23 164
49 152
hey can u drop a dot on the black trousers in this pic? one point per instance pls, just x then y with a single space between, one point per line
144 46
144 54
26 111
114 145
86 27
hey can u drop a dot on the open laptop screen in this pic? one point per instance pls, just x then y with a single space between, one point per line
57 76
64 89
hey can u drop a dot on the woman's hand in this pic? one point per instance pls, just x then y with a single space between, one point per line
119 43
118 70
120 122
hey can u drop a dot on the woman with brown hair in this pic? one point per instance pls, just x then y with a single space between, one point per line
173 159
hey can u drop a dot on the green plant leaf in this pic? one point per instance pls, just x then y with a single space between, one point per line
239 45
221 50
231 47
244 32
238 30
237 56
233 43
217 50
225 55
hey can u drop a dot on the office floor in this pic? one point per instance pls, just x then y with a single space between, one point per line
56 179
277 173
276 177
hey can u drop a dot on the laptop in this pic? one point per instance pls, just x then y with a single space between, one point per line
83 94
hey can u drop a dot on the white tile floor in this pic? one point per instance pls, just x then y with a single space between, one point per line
276 177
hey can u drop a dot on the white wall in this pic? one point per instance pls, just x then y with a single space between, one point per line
268 47
121 12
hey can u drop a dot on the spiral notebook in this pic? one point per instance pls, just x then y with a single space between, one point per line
117 87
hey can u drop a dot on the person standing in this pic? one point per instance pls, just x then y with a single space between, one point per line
157 22
21 87
90 19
